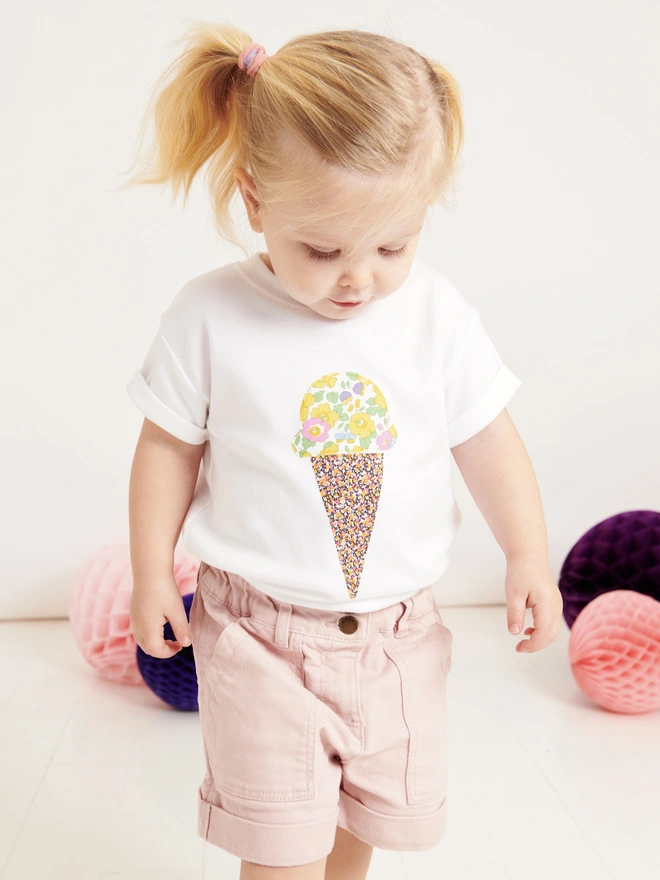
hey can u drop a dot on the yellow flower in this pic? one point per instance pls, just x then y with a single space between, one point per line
324 381
379 398
308 400
361 424
331 450
324 412
393 431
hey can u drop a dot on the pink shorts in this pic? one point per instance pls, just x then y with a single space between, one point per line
313 719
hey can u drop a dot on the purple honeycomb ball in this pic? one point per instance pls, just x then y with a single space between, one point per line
619 553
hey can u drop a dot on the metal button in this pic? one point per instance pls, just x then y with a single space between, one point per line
348 624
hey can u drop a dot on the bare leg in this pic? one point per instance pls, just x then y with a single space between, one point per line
349 859
313 871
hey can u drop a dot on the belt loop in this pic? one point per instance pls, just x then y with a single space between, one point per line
401 625
282 626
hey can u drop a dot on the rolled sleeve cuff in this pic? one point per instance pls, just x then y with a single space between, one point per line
156 411
489 405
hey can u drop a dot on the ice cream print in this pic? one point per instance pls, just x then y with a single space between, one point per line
346 429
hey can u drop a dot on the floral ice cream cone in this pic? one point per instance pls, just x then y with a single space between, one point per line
346 430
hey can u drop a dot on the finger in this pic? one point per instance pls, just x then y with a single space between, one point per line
544 625
161 648
534 643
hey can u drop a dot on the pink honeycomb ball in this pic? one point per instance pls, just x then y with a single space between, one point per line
99 605
614 650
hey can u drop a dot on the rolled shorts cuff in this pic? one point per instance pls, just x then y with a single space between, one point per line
401 833
277 846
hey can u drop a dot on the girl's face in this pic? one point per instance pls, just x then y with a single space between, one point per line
310 264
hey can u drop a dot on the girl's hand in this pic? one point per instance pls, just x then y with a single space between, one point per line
152 605
529 584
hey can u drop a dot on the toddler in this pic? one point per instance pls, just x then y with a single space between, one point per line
322 384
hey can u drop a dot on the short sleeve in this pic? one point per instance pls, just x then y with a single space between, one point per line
478 386
172 387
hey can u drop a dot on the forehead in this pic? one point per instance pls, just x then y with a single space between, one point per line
326 239
342 234
351 210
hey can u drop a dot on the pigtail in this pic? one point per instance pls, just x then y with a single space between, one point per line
449 101
193 107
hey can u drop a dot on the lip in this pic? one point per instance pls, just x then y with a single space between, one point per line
348 305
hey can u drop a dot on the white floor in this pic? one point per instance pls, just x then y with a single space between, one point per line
99 781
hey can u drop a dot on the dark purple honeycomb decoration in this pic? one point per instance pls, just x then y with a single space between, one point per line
619 553
173 679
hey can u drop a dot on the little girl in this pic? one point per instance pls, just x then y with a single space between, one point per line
322 384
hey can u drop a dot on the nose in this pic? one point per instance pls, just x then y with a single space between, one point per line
357 279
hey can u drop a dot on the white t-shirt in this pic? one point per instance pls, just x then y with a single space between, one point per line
325 481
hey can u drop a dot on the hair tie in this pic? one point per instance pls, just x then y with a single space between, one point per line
251 58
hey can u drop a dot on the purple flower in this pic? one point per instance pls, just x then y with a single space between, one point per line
344 395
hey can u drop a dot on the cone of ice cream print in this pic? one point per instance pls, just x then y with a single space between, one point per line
346 430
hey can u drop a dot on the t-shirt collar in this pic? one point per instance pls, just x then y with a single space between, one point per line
260 275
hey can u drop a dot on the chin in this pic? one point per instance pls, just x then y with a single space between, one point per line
344 316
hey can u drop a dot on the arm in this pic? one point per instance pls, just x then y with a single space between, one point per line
163 478
500 477
499 474
162 483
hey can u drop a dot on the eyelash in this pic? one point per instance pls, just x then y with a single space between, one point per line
319 255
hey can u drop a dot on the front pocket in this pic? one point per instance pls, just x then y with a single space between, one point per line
422 665
209 619
259 721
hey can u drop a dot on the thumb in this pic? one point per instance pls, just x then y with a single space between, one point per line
181 627
515 615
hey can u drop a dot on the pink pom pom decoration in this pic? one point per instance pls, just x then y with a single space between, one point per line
614 650
99 605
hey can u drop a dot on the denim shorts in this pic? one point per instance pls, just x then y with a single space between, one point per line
316 719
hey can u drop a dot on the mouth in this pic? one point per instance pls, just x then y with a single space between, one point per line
347 305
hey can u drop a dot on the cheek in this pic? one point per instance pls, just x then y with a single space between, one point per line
398 273
312 281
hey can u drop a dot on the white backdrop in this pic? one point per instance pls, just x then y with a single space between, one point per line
553 237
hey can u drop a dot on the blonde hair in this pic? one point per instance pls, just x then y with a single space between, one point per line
330 107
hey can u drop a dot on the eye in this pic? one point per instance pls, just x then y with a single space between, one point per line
320 255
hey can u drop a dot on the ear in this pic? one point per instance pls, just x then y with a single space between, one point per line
248 190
